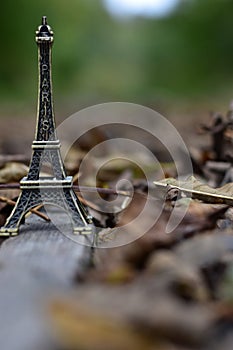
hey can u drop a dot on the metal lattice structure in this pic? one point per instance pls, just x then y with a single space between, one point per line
57 189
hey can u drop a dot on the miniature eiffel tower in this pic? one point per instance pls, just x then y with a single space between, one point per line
55 190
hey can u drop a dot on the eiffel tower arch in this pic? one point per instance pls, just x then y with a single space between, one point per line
57 188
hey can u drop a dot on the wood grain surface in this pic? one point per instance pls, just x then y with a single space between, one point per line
34 266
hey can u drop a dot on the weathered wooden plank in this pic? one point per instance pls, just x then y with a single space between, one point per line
34 266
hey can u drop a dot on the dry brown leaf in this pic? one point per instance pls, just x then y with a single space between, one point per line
183 279
13 172
79 327
142 315
197 190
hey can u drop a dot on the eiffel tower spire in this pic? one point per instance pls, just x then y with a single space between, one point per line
45 116
56 189
46 144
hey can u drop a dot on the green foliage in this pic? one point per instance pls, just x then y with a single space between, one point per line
96 57
197 48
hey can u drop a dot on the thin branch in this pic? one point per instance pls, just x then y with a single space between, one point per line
102 190
34 211
78 189
89 204
10 186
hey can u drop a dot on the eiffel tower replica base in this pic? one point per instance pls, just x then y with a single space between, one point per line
42 190
47 192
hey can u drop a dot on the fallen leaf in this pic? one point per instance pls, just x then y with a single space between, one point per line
13 172
79 327
138 316
197 190
182 279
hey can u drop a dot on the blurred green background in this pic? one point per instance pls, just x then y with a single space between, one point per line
182 59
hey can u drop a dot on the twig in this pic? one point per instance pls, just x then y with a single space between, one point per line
78 189
102 190
34 210
9 186
89 204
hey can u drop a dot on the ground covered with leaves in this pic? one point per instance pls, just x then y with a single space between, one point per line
162 291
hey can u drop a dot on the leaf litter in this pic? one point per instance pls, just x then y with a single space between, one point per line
162 291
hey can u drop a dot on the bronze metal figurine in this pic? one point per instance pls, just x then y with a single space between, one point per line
57 189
